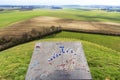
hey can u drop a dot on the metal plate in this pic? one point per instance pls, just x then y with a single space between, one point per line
58 61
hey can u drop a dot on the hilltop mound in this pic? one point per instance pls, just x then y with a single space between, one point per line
100 59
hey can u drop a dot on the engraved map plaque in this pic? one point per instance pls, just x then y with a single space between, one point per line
58 61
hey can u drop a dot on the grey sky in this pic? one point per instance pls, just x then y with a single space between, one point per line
59 2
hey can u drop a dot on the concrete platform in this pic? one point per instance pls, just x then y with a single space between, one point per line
58 61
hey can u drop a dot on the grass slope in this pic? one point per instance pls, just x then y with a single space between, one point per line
103 62
9 17
107 41
102 51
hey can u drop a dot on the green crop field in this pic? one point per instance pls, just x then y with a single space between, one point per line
9 17
102 51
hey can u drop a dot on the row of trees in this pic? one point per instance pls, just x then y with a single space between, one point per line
8 41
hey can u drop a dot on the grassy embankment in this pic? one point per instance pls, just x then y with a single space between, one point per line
104 40
104 62
102 51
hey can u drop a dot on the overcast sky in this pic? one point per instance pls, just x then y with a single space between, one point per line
59 2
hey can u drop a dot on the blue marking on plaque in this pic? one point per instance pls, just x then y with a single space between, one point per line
59 54
49 60
56 55
62 49
53 57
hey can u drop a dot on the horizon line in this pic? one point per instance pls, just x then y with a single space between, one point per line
55 5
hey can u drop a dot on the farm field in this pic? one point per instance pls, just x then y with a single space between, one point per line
37 27
102 51
8 17
67 24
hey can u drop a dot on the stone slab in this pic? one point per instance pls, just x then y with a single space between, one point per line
58 61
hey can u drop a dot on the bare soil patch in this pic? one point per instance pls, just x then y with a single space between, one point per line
37 27
69 24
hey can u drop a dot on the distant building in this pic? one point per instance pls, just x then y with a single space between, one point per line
56 7
26 8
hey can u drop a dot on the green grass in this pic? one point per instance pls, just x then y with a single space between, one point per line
107 41
103 62
102 51
15 16
8 17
